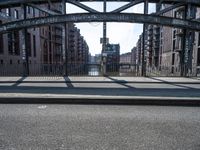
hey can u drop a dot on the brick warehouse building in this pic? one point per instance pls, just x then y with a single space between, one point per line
44 44
78 51
164 47
174 61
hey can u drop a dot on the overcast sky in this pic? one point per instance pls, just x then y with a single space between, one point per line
126 34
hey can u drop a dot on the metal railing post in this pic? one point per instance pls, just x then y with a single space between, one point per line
25 55
143 73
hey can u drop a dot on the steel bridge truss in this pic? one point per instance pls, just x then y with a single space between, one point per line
96 16
93 15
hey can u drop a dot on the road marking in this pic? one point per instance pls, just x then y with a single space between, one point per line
42 107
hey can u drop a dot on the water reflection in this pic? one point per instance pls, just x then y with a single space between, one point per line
94 70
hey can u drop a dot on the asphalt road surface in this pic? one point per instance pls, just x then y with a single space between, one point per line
98 127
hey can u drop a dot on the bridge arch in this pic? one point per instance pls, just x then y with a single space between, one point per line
100 17
10 3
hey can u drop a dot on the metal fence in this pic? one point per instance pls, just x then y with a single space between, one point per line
73 69
173 71
79 69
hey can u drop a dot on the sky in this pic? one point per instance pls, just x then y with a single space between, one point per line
125 34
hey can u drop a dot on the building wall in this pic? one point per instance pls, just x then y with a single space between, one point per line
196 52
12 56
51 38
78 51
97 58
139 51
133 56
170 45
167 44
125 58
173 45
44 44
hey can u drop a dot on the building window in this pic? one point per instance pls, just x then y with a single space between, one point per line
16 43
199 40
174 33
34 46
45 52
173 58
198 57
172 71
16 14
8 12
13 43
174 44
11 61
10 43
33 12
29 44
175 14
179 14
28 9
1 42
1 62
18 61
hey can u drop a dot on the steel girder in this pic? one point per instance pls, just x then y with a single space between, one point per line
11 3
100 17
80 5
118 10
43 9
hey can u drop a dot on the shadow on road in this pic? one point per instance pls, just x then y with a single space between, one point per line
108 87
170 83
121 82
68 82
19 81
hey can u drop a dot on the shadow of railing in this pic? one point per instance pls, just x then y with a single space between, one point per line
75 86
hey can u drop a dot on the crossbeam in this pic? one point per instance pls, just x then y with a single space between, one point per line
80 5
11 3
101 17
118 10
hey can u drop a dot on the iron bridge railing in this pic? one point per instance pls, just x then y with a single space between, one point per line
81 69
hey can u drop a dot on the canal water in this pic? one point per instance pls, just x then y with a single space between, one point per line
95 70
